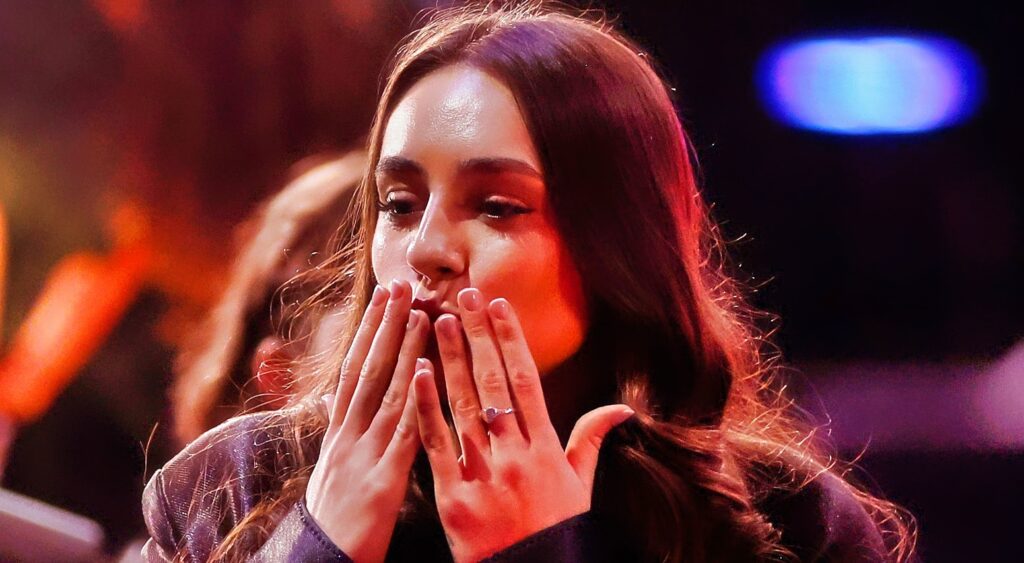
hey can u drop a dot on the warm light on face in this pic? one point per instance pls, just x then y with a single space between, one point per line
464 203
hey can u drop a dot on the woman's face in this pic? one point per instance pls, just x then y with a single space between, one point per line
464 204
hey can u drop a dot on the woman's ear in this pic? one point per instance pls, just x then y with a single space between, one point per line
271 371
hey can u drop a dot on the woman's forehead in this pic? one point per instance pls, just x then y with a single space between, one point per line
455 114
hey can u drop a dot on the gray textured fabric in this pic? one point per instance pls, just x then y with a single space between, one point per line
188 510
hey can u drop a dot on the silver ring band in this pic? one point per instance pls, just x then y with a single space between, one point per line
491 413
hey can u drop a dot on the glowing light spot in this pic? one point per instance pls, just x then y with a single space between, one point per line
863 85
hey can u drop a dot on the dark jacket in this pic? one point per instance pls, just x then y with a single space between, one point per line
188 510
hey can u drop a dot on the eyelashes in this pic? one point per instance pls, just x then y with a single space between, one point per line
398 209
499 209
395 207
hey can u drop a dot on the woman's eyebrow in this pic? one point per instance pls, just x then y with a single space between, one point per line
398 165
496 165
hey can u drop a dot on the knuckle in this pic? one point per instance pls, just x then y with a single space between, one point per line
458 513
392 316
347 370
392 399
521 378
433 441
465 407
512 473
367 327
450 353
405 432
504 332
345 378
370 373
365 330
376 490
492 381
476 330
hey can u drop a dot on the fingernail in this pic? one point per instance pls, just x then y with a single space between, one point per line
499 309
623 415
379 294
446 326
420 374
414 319
397 290
470 299
421 364
327 400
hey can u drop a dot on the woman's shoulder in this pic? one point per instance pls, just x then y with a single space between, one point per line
823 520
213 482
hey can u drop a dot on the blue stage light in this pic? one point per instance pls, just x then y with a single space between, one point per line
864 85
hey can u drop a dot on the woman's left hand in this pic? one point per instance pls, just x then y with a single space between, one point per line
513 478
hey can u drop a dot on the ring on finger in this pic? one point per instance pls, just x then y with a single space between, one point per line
489 414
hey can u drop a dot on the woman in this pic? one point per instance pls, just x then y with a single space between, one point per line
543 260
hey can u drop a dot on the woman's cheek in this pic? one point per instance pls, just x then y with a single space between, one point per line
550 321
555 338
388 255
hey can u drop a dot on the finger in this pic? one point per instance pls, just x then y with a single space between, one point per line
393 402
523 378
585 441
328 404
380 362
433 431
405 442
488 369
458 380
357 352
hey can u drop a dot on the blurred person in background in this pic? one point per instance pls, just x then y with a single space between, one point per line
533 246
243 356
148 129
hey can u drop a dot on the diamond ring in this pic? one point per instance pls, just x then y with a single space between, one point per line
491 413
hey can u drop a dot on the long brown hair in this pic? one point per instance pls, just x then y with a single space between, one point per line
672 331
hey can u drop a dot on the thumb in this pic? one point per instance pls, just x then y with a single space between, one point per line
585 440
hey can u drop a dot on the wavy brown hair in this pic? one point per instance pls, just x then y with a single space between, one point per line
672 334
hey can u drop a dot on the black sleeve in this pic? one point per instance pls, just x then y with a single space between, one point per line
582 538
823 521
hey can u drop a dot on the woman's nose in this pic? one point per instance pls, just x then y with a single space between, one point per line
436 252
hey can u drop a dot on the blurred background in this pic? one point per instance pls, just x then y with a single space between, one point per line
861 156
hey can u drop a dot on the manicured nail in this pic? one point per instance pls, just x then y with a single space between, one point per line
397 290
379 295
446 326
623 415
470 299
421 364
420 375
499 309
414 319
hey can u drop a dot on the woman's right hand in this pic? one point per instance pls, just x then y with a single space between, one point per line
360 480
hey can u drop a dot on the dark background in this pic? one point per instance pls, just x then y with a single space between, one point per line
904 253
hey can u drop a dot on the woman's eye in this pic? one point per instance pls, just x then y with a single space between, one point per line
497 209
396 207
